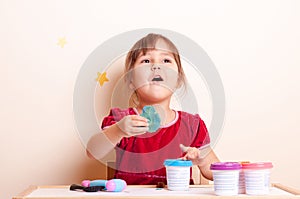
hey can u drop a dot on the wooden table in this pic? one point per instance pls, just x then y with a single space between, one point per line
277 191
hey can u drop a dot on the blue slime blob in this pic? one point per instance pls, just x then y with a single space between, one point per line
153 117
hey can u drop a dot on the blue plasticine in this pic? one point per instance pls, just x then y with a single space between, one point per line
153 117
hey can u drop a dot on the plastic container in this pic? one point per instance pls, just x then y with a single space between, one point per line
178 174
226 178
257 177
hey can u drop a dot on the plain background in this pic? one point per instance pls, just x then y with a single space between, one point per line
255 46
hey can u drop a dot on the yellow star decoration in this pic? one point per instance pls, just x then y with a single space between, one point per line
61 42
102 78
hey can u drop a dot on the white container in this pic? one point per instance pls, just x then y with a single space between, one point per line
178 174
226 178
257 178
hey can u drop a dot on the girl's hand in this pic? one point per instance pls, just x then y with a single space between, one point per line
195 155
132 125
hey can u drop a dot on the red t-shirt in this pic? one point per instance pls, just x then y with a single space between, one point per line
139 159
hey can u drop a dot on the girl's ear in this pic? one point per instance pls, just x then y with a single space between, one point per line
131 86
179 83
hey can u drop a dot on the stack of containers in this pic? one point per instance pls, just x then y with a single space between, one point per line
232 178
226 178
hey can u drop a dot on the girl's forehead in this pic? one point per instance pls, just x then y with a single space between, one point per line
159 44
151 51
162 45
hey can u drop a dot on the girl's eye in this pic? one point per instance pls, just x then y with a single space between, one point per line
145 61
167 61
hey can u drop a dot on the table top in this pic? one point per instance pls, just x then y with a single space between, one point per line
147 191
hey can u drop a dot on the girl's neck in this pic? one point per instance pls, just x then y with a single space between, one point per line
165 107
165 112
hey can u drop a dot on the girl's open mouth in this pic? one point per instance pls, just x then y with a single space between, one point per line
157 78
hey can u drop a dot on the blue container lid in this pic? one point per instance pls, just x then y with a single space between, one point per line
178 163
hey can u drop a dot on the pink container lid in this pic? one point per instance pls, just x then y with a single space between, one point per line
257 165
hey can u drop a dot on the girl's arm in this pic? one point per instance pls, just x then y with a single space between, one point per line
205 164
100 144
203 158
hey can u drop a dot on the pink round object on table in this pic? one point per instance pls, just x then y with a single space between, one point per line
85 183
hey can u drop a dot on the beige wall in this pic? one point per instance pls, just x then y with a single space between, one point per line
254 45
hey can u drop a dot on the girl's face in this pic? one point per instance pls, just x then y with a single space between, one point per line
154 76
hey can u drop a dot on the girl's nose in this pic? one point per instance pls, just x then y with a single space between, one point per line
155 67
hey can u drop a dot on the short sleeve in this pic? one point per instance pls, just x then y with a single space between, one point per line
201 139
115 115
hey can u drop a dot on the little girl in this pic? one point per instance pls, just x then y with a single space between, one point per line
153 71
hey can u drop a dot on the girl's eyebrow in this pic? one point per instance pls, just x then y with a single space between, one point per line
147 54
167 53
162 53
142 57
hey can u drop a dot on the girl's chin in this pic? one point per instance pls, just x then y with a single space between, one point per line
157 87
155 97
155 90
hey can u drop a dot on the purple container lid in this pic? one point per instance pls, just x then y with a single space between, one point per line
225 166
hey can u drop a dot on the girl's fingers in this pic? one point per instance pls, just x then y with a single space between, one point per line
184 157
139 130
139 123
139 118
191 153
184 148
142 130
